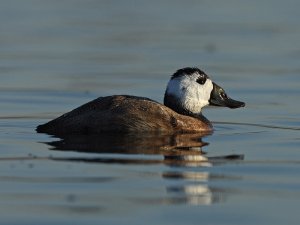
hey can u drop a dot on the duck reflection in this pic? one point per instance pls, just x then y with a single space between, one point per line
190 144
177 150
180 150
197 191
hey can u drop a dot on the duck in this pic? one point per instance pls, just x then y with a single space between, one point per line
188 91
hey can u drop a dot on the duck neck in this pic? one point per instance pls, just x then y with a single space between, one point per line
171 102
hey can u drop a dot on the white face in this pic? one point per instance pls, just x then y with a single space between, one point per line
192 95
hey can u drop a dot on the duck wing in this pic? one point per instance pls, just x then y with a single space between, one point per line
124 114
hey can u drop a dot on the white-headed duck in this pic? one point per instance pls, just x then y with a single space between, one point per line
188 91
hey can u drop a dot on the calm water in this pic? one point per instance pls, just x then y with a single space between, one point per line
57 55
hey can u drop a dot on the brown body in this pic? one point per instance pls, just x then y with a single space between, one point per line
125 114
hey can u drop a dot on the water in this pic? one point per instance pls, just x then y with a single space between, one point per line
57 55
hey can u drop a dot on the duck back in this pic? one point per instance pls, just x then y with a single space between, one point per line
124 114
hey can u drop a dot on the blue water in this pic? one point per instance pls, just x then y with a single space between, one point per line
57 55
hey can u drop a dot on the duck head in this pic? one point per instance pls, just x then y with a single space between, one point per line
190 89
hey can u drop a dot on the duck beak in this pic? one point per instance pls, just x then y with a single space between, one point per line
218 97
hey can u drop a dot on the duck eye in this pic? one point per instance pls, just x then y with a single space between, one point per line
201 80
223 94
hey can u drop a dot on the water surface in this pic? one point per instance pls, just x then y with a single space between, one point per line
57 55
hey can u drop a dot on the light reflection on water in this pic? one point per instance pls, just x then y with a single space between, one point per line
57 55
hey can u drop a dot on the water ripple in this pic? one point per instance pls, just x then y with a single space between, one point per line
258 125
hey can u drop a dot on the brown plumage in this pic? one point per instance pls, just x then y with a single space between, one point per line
123 113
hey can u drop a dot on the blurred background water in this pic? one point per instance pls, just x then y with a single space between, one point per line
57 55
